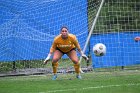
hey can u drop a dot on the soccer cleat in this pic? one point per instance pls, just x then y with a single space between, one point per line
78 77
54 77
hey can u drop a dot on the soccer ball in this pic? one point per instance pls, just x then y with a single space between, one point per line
99 49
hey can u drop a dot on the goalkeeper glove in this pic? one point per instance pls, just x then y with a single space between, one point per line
84 56
47 59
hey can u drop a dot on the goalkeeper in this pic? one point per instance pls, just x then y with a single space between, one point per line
65 43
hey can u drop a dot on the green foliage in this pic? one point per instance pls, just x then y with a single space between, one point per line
20 64
5 67
116 16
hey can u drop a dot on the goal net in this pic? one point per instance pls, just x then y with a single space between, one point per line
27 30
28 27
116 27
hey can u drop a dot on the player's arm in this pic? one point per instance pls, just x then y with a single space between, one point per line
76 43
52 49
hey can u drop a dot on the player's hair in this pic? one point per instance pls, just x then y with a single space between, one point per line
64 27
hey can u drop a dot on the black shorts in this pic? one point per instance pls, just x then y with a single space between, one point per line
65 52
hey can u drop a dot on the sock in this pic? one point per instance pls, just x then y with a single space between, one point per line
77 68
55 66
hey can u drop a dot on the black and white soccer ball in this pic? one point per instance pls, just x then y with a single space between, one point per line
99 49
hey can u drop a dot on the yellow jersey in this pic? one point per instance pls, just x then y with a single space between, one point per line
65 45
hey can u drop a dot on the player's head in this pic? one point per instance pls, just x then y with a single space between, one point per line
64 32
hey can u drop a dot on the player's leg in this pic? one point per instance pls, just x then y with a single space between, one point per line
57 55
73 56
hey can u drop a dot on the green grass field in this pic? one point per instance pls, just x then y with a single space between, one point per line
92 82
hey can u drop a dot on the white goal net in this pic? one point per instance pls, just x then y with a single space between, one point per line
116 27
28 27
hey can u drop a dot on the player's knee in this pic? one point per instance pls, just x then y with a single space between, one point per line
75 61
55 60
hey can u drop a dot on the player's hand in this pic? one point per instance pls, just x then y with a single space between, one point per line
47 59
85 57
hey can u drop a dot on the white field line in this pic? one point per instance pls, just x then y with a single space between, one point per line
86 88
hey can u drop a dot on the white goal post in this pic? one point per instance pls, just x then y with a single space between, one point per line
91 30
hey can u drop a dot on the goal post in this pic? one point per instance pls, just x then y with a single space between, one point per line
92 28
93 25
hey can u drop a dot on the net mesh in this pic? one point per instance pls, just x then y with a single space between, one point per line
28 27
116 27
